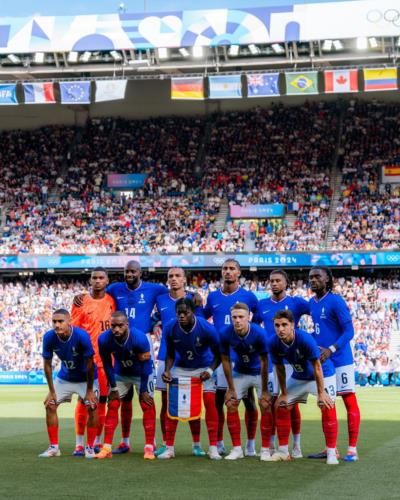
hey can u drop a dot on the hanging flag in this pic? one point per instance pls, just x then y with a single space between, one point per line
341 80
187 88
380 79
75 92
225 87
110 90
262 84
8 94
302 83
185 396
39 93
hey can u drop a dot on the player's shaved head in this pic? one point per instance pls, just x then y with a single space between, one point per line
133 264
234 262
62 311
119 314
176 269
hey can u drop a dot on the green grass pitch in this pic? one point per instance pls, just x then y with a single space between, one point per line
24 476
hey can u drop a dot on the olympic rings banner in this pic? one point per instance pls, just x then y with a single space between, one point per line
281 20
203 261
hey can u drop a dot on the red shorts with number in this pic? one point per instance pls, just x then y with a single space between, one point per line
103 382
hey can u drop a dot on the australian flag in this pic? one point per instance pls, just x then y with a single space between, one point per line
262 84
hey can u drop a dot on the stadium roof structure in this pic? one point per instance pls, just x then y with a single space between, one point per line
237 36
159 62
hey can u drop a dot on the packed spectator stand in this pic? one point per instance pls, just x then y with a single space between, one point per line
193 167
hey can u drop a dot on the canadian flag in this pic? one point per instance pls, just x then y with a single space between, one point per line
341 80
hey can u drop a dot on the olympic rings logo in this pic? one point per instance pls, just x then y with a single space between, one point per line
393 258
390 16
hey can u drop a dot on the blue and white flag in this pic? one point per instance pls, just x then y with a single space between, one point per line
185 397
75 92
8 94
263 84
225 87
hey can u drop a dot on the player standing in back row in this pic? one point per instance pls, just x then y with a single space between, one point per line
333 331
137 299
266 310
218 307
94 316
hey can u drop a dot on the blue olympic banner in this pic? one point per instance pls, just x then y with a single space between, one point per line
257 211
126 181
22 378
202 261
170 24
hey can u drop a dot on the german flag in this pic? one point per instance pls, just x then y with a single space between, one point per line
187 88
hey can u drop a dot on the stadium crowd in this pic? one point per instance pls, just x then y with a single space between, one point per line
26 308
368 214
193 166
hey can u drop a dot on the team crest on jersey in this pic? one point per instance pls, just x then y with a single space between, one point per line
141 300
197 342
74 353
251 348
286 308
299 355
323 315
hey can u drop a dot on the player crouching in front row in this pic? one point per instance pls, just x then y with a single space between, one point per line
302 352
247 342
133 368
78 375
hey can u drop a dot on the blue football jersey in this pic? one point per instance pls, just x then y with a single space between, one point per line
194 349
73 353
244 351
126 362
219 305
166 310
333 325
137 304
267 308
299 355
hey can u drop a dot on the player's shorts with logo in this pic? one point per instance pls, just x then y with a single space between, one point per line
208 385
65 390
124 384
298 390
243 382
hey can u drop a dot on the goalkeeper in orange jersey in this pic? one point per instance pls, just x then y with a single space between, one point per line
94 316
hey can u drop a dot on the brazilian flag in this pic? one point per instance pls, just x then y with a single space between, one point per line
302 83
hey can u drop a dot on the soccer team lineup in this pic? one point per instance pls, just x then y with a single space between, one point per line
212 356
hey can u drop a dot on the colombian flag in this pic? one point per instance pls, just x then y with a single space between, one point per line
187 88
380 79
185 396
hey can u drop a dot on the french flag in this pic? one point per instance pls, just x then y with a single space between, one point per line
185 396
39 93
